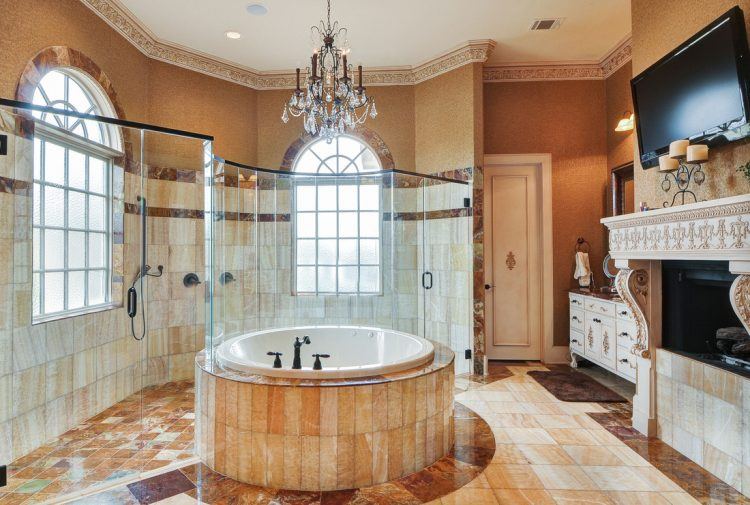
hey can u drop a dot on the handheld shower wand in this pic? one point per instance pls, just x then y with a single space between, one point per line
133 299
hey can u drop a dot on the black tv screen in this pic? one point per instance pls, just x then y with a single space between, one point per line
699 91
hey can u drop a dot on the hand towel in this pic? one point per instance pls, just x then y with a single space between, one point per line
583 270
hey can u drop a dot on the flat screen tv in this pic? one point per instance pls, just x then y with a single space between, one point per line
698 92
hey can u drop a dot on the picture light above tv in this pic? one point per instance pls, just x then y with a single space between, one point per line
699 91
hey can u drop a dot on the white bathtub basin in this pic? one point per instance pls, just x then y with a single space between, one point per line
356 351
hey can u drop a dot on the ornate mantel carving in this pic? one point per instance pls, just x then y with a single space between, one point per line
713 230
632 286
716 230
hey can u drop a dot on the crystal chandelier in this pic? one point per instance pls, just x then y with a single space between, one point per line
329 104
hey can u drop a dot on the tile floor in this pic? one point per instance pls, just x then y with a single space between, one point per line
547 452
141 433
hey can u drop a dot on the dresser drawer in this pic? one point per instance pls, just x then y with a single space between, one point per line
623 312
577 301
576 340
626 333
625 362
602 307
576 319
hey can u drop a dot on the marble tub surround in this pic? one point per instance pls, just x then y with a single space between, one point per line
315 436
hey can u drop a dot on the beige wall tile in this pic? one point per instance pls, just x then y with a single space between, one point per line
723 426
722 384
345 470
329 411
292 461
722 465
328 463
275 461
310 480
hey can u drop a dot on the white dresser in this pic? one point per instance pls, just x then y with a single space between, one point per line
602 330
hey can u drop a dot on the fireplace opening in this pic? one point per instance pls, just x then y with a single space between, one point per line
697 315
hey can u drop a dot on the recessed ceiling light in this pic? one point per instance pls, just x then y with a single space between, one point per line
233 35
257 9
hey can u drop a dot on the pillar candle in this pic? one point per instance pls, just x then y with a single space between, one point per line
678 149
667 163
697 153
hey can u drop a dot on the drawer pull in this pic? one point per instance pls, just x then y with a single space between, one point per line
576 302
603 309
624 360
575 341
623 312
597 320
624 334
575 318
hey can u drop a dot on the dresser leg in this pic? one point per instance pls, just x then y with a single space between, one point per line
573 360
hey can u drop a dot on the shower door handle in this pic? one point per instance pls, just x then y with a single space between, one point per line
425 276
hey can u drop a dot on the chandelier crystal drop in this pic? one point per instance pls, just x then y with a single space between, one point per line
329 104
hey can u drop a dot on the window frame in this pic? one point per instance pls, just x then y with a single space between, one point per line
49 131
312 179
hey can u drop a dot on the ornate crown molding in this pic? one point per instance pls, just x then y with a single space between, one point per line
122 20
572 71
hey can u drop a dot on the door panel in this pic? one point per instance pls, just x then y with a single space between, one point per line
513 262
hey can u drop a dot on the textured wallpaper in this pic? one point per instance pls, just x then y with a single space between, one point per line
653 37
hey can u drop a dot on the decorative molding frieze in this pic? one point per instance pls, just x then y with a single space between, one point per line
712 230
556 71
122 20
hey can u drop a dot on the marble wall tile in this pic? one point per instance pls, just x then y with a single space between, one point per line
722 384
723 466
723 427
687 408
28 390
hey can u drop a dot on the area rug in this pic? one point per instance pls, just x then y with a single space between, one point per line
575 387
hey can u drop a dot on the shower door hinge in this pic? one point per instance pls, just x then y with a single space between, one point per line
3 475
3 145
467 354
467 202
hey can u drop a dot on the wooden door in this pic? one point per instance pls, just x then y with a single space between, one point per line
513 261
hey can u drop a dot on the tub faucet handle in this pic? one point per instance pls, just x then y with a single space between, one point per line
277 361
318 365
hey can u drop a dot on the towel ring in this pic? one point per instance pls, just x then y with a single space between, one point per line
582 245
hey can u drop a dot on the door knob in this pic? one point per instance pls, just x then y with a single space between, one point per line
488 286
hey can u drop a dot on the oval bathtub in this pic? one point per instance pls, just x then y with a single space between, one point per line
356 351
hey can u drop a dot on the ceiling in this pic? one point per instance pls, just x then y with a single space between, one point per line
389 33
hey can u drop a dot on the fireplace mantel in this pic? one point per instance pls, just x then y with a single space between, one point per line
714 230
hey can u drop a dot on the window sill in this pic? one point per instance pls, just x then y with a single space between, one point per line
74 313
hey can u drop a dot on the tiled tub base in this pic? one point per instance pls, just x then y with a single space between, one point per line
323 438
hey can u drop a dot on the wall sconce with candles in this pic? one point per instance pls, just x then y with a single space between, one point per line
684 165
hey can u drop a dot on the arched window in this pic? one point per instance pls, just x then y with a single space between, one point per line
337 220
72 265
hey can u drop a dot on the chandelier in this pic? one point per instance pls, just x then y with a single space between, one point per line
329 104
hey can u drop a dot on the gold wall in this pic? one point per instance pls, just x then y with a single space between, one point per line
446 126
619 100
653 37
567 119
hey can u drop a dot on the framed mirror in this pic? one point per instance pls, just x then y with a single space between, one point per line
623 189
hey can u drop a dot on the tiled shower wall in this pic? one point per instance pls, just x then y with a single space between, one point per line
56 374
253 233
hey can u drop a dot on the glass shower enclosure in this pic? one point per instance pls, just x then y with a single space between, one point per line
389 249
96 232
